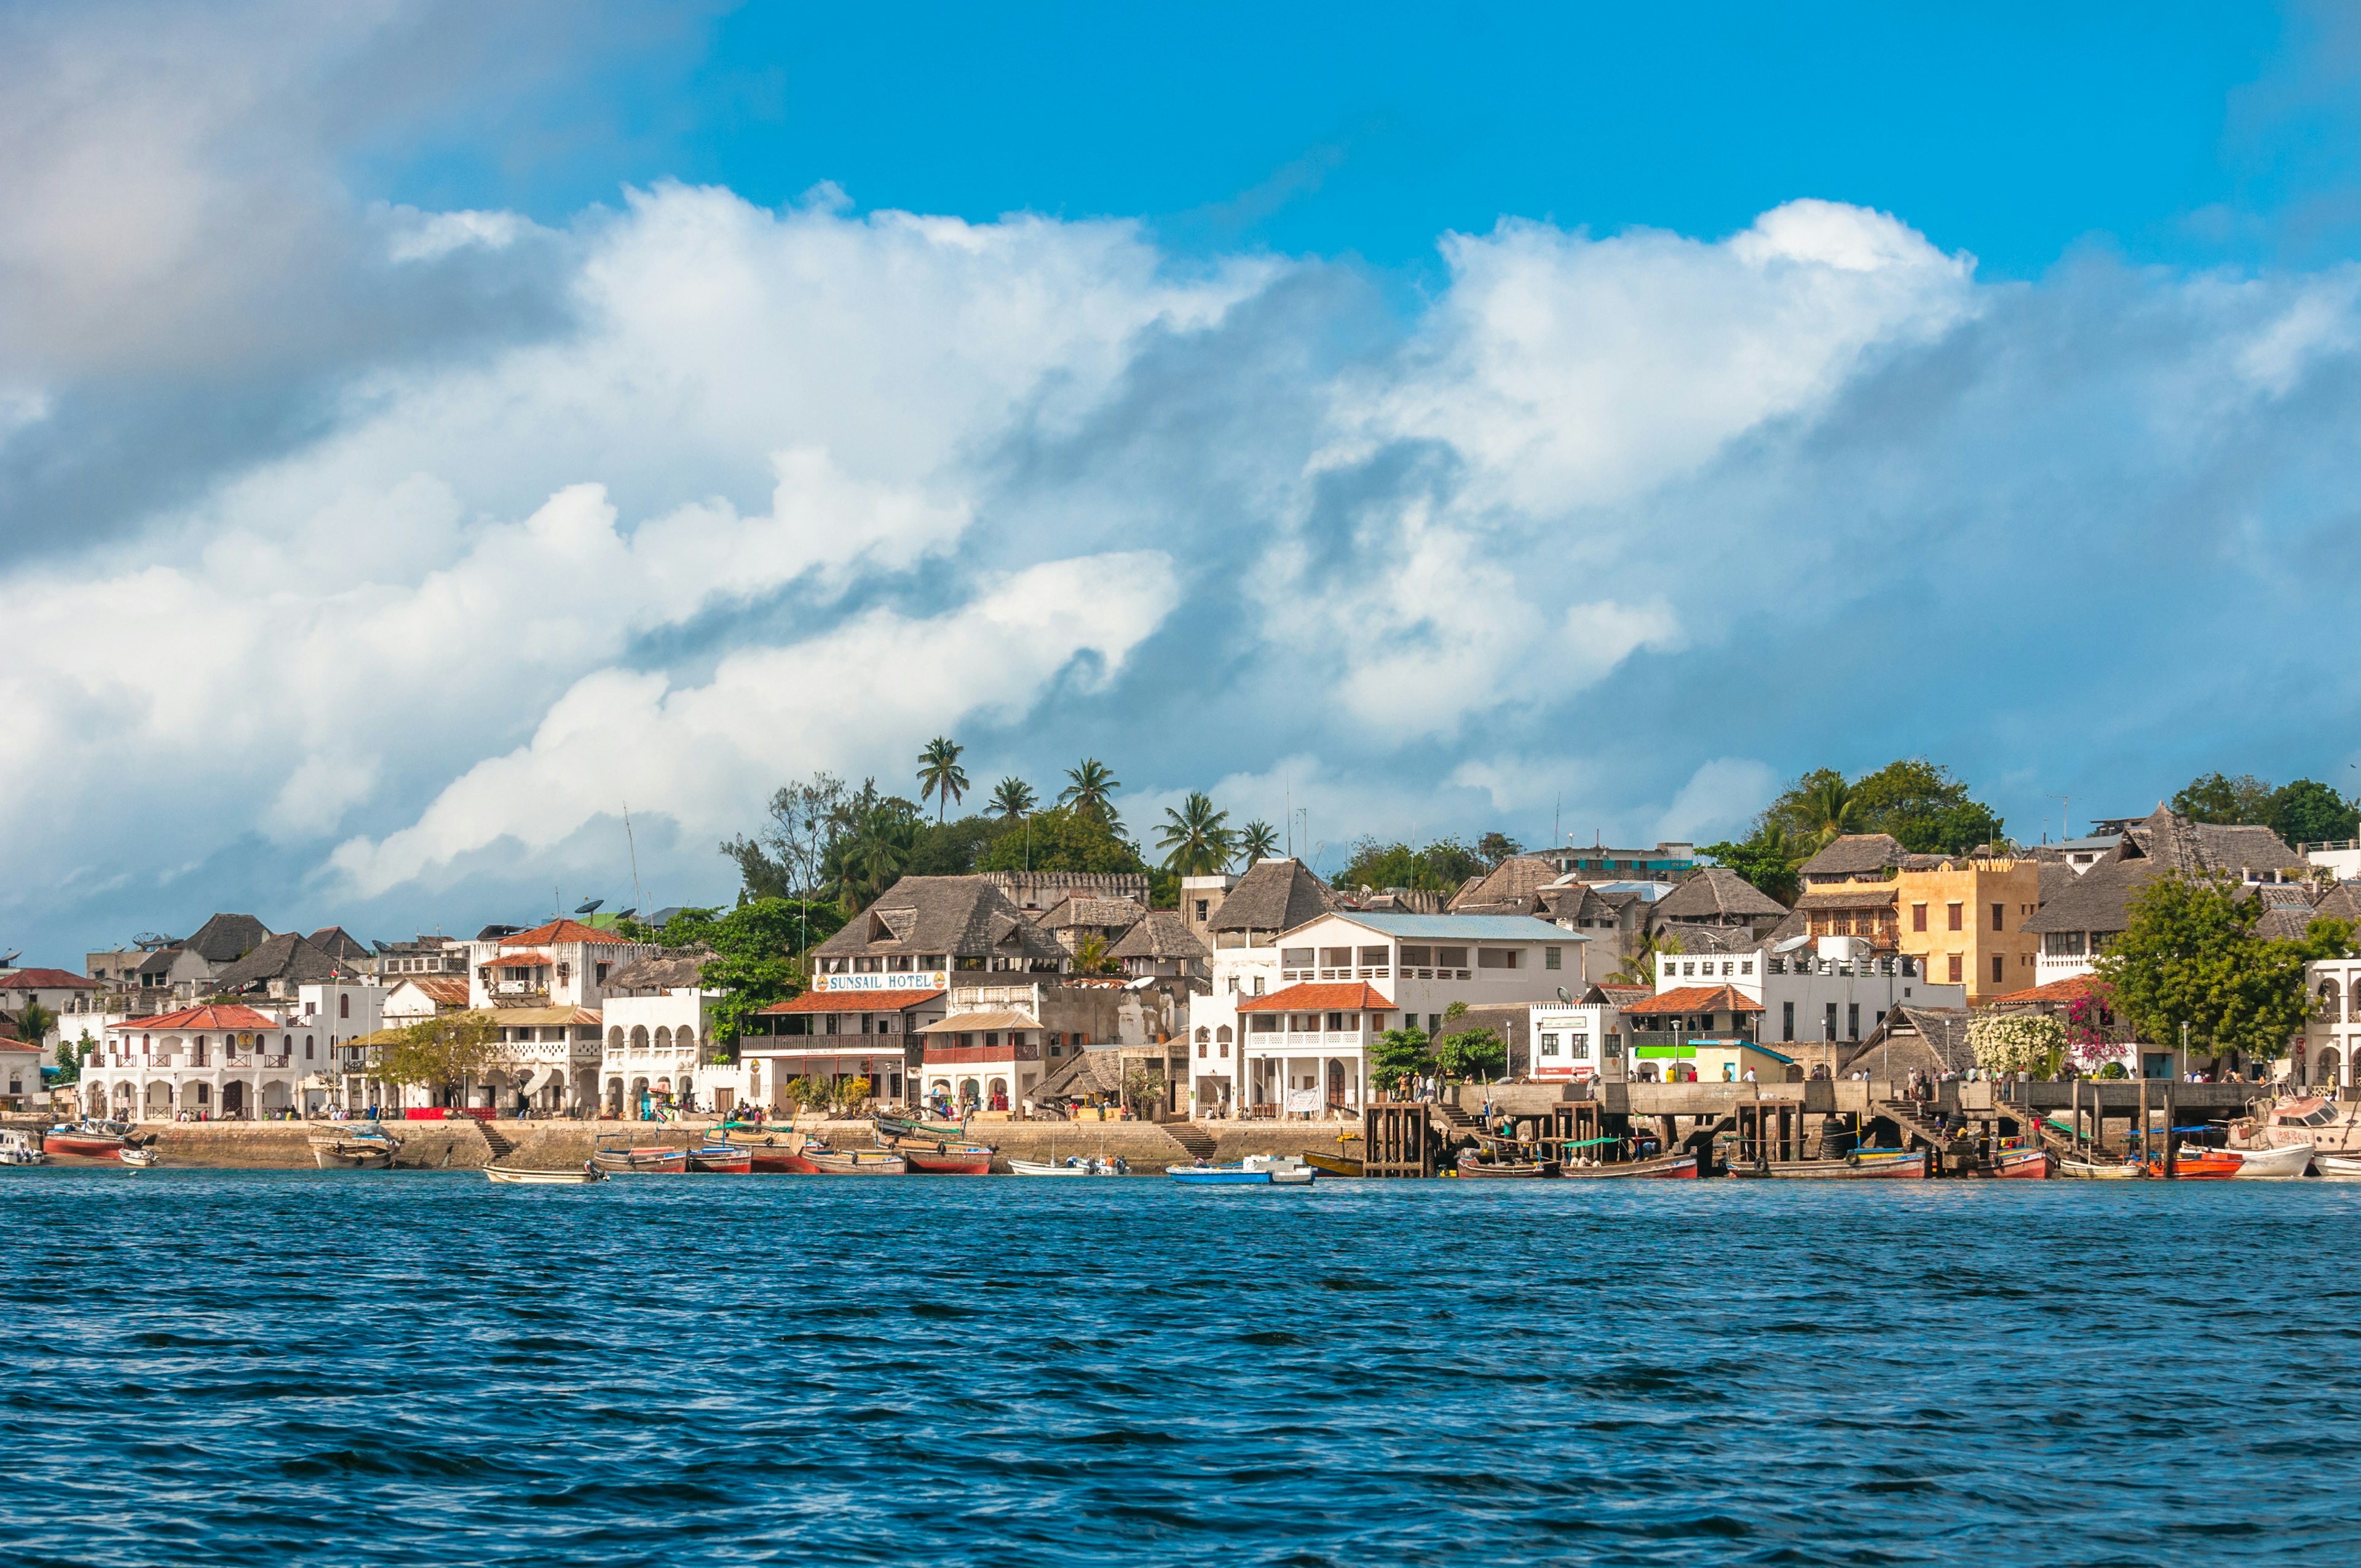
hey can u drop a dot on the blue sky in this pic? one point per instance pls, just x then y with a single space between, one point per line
425 429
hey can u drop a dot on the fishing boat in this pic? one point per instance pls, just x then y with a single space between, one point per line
91 1140
2199 1165
722 1159
904 1127
2103 1171
2338 1166
855 1162
623 1160
516 1178
2278 1163
1072 1164
362 1146
947 1159
1868 1164
1255 1170
139 1159
21 1148
1673 1167
1333 1164
1489 1167
2020 1165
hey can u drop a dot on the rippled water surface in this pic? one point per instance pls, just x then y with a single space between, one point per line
384 1368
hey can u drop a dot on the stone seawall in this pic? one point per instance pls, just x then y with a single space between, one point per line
556 1146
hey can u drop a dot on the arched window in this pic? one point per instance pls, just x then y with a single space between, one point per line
664 1037
343 1005
686 1040
2331 1010
615 1043
2325 1070
307 1047
638 1037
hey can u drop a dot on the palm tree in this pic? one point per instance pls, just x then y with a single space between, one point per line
1197 836
1088 790
1256 840
1091 956
1012 799
1639 969
940 775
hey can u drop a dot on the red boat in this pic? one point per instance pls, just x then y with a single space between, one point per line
722 1159
780 1159
948 1161
1669 1167
642 1161
90 1143
2213 1165
2022 1164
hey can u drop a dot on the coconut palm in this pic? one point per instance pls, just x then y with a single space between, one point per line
1198 837
1091 956
1829 808
1639 969
940 775
1256 840
1089 789
1013 799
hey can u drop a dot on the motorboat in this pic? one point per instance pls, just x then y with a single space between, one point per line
357 1146
647 1159
2020 1164
1863 1165
722 1159
91 1140
2199 1165
17 1147
1072 1164
1673 1167
1494 1166
2329 1126
2103 1171
139 1159
517 1177
2282 1162
948 1159
1255 1170
2338 1166
854 1162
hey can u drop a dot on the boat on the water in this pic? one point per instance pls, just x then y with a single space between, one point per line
905 1127
2278 1163
855 1162
647 1160
1674 1168
90 1140
1072 1164
722 1159
947 1159
1489 1166
358 1146
18 1147
2338 1166
1865 1165
139 1159
2104 1170
1333 1164
1255 1170
518 1178
2020 1165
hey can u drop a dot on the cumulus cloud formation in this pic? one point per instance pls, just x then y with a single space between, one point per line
686 497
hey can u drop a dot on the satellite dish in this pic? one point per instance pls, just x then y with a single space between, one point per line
589 906
1563 995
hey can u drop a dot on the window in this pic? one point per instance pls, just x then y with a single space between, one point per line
1852 1021
1918 918
1336 1023
1725 968
1614 1047
307 1047
1956 963
343 1007
2000 968
1746 966
1829 1023
1373 958
1553 958
1787 1020
1335 957
1434 1024
1688 968
1953 915
1909 967
2000 917
1497 957
1577 1047
1549 1045
1450 958
1295 958
1417 958
1200 911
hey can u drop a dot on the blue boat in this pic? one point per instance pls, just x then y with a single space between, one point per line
1255 1170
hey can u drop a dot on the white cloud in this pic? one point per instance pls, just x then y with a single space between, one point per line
1720 800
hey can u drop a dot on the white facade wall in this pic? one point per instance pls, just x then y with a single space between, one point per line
654 1046
2332 1039
155 1074
1579 1042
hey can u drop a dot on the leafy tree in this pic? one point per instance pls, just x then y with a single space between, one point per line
2309 812
443 1052
1091 956
940 773
1012 798
34 1022
790 856
71 1054
1495 847
1927 809
1441 867
2191 954
949 849
755 947
1256 840
1400 1053
874 836
1639 969
1089 791
2215 797
1061 839
1197 836
1471 1053
1768 860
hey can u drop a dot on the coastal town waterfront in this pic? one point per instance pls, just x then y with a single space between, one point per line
318 1367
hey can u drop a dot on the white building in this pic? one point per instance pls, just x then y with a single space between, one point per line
20 1075
562 964
1825 989
1583 1040
221 1063
2332 1037
848 1026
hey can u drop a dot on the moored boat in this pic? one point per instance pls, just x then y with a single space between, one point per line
517 1177
2277 1163
1473 1164
722 1159
1333 1164
1072 1164
1672 1168
2021 1165
2198 1165
855 1162
139 1159
947 1159
88 1140
2338 1166
362 1146
2102 1171
907 1127
1874 1165
17 1147
621 1159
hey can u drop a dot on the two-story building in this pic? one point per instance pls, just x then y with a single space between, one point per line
67 996
562 963
1963 920
226 1061
1816 994
660 1040
2080 918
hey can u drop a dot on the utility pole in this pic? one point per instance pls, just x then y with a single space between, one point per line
2066 821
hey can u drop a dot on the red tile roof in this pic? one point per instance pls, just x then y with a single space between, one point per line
1697 999
11 1043
445 990
47 980
1338 997
518 960
2074 988
228 1017
853 1002
560 931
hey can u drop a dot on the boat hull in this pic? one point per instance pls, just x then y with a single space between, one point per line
1217 1175
948 1162
86 1145
2273 1165
352 1156
2022 1164
2086 1170
1039 1167
139 1159
1853 1168
1333 1164
2338 1167
641 1162
1507 1170
543 1177
857 1162
721 1161
780 1162
1671 1167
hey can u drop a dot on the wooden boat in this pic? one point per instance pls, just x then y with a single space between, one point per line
90 1140
1475 1166
954 1159
516 1178
21 1148
1072 1164
2338 1166
2021 1165
855 1162
722 1159
364 1146
648 1160
1672 1168
904 1127
1876 1165
2097 1170
139 1159
2273 1164
2200 1164
1333 1164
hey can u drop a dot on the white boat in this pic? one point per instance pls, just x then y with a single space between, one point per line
1072 1164
21 1148
2089 1170
139 1159
2272 1164
544 1178
2338 1166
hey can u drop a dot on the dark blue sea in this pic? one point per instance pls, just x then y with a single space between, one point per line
372 1368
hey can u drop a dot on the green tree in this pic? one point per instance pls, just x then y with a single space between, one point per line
2308 812
34 1022
1089 791
949 849
940 775
755 950
872 840
1091 956
2217 797
72 1055
1442 866
1012 798
790 857
1768 860
1256 840
1400 1053
1197 838
1495 847
1061 839
2191 954
1924 808
1471 1053
1639 969
443 1052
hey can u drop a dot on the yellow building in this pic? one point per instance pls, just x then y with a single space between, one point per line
1964 917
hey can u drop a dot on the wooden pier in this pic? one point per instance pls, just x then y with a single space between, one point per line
1398 1138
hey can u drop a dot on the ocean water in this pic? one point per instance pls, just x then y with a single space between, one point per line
394 1368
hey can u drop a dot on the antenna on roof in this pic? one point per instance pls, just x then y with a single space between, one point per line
589 906
634 845
10 959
